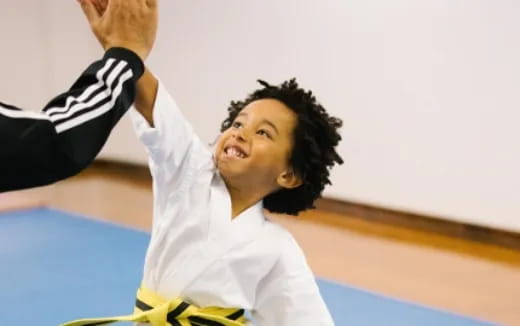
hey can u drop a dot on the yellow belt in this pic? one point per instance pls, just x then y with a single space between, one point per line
153 309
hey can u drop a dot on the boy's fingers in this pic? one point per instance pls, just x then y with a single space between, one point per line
89 10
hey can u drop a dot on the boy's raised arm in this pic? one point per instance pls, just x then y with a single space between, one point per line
146 94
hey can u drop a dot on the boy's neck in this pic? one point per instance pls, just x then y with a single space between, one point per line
242 200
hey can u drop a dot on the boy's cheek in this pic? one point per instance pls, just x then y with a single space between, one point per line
219 144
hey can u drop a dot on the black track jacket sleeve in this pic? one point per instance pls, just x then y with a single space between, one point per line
39 148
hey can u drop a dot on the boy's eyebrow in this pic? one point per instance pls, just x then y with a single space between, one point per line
271 124
263 121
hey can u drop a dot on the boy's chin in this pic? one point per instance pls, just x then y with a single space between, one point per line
229 174
226 171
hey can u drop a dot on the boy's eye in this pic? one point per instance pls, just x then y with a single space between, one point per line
263 132
236 124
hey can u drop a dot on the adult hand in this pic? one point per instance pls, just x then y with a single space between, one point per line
130 24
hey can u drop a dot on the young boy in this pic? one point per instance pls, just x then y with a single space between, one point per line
211 246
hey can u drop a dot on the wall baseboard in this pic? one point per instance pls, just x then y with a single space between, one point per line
426 223
369 213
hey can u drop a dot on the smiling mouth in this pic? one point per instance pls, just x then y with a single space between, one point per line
233 151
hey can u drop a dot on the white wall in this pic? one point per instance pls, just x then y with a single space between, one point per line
427 89
23 53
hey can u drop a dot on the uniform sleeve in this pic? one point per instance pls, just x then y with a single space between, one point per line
39 148
289 295
174 150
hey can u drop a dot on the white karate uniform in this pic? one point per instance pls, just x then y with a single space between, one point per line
199 253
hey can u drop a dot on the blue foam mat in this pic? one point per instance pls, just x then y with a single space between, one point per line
57 266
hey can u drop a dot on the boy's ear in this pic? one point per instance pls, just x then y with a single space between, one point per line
289 179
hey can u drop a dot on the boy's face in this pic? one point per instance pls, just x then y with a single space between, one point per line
255 150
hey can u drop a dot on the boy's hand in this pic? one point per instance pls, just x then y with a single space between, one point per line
130 24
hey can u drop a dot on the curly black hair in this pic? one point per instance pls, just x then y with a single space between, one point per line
313 154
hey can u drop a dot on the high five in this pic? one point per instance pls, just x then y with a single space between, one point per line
39 148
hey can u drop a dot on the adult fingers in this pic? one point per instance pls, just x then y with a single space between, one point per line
151 3
90 11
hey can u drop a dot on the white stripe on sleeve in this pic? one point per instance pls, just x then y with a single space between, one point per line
20 114
87 116
81 106
86 93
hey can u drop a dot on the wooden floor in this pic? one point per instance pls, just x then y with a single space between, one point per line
456 275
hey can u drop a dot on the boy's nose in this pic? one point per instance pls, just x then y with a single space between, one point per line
241 135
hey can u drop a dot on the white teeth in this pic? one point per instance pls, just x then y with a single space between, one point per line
234 152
